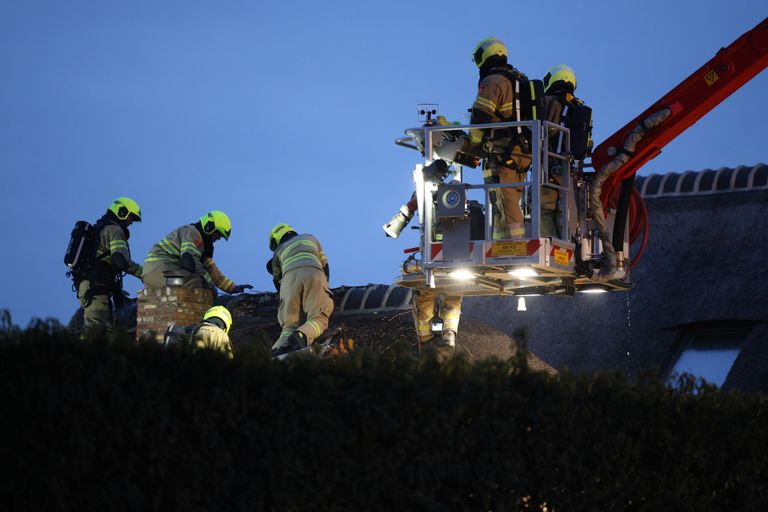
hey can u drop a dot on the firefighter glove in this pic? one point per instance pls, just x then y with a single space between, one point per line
241 288
473 149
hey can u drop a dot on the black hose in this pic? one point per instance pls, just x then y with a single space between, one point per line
622 211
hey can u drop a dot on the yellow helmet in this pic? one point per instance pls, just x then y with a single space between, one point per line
486 49
559 73
222 313
123 207
277 234
216 220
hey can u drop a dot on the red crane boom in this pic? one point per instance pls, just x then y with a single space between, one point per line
726 72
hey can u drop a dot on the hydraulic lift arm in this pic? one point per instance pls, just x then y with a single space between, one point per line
594 254
680 108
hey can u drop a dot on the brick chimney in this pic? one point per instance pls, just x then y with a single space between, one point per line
157 308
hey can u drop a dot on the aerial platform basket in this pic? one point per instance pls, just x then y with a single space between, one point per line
458 254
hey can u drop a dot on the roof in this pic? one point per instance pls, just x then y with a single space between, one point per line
704 265
709 181
376 317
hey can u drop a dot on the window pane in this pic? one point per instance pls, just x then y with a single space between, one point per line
710 348
711 365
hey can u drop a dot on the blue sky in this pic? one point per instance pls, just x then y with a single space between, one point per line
287 111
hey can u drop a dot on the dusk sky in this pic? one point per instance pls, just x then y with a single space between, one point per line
287 112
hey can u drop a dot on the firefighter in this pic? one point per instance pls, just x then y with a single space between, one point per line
565 109
213 331
187 252
102 277
424 302
496 102
300 272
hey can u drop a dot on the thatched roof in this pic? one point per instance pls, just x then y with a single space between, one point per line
704 265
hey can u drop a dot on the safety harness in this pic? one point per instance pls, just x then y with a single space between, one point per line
528 104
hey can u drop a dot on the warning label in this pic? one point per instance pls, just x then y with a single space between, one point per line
711 78
500 249
561 256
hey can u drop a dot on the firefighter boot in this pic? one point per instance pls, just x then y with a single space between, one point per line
296 341
448 339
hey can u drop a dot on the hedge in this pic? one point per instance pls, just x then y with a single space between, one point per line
105 424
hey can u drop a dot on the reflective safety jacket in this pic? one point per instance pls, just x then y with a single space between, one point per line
495 103
113 240
300 251
188 240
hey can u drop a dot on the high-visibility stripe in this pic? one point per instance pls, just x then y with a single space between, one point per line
485 101
169 248
506 107
159 257
300 256
315 326
485 105
308 243
190 247
163 251
286 258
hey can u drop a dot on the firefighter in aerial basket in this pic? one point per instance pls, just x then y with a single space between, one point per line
300 272
503 95
568 111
